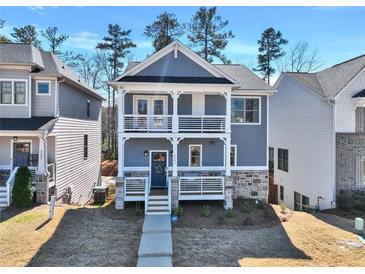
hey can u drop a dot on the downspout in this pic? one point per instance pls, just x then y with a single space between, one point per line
331 101
58 95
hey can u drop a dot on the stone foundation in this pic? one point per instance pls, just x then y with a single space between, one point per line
119 193
228 193
136 174
41 188
174 192
350 147
251 184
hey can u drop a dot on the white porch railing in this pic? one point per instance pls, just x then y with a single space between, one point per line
51 168
149 123
135 188
10 184
146 194
205 123
201 188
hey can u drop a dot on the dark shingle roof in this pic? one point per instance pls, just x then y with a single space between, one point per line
33 123
359 94
172 79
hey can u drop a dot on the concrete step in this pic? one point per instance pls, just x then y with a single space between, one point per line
3 204
158 202
157 223
160 261
158 213
155 244
160 197
3 188
156 207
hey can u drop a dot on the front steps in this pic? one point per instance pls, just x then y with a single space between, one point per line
158 205
3 197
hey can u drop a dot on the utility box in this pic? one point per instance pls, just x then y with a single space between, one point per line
100 193
359 226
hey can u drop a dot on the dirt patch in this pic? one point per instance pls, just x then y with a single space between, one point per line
220 218
88 236
109 168
304 240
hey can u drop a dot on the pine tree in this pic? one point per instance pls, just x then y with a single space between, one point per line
269 50
163 30
3 38
27 35
117 45
55 40
207 34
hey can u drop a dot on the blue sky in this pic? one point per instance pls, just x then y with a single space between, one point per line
334 31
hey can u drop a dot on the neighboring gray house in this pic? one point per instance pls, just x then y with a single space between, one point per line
317 139
50 122
193 130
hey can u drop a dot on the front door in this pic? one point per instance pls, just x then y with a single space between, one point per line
21 154
158 168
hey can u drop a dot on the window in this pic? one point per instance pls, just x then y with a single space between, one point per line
283 159
245 110
297 204
360 119
305 203
19 92
43 87
195 152
233 156
271 158
6 92
85 147
282 193
88 108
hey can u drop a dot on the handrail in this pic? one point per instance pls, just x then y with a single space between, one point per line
149 123
201 185
146 194
10 184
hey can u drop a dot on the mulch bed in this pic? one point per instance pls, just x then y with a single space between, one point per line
109 168
193 218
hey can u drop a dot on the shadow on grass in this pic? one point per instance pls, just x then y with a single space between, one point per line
92 237
13 211
344 223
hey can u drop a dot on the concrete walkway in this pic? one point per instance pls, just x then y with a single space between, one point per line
155 248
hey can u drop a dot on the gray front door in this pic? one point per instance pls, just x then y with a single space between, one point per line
21 154
158 169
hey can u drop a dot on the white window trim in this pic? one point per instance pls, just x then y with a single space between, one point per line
43 82
13 91
287 171
150 99
248 97
201 154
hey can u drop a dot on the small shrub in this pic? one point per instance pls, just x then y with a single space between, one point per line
179 211
22 192
246 207
206 211
283 207
139 209
261 204
221 220
229 213
248 221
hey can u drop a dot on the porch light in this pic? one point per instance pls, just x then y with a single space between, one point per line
145 153
15 138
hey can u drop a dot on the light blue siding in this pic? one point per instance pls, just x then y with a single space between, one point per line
251 140
43 105
215 105
182 66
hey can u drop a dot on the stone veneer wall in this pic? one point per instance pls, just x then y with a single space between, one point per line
349 147
251 184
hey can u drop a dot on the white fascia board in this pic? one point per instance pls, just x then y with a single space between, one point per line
254 92
20 133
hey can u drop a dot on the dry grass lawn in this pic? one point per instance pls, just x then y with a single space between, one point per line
305 240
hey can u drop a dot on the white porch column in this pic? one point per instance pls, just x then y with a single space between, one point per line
42 156
228 156
121 113
228 112
175 118
121 143
174 156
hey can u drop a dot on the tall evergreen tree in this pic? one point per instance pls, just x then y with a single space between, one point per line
163 30
27 34
207 34
269 50
55 40
117 45
3 38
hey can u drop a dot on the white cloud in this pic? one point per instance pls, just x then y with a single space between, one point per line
143 44
38 9
241 48
83 40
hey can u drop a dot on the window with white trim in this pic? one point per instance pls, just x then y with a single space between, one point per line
233 155
283 159
245 110
13 92
6 92
19 92
43 87
195 155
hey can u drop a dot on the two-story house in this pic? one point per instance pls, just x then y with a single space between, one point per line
190 130
50 122
317 140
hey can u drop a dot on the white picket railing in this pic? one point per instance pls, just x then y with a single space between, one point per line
135 188
201 187
204 123
51 168
10 184
149 123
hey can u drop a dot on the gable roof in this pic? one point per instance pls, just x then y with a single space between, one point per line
43 63
33 123
329 82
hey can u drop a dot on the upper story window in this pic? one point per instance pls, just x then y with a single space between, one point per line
43 87
246 110
360 119
283 159
88 108
195 155
86 147
13 92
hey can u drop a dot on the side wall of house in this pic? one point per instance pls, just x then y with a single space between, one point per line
302 122
44 105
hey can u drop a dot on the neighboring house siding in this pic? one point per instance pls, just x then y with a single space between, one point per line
302 122
251 140
72 169
182 66
43 105
73 103
345 105
15 111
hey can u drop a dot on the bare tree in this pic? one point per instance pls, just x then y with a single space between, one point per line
300 58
